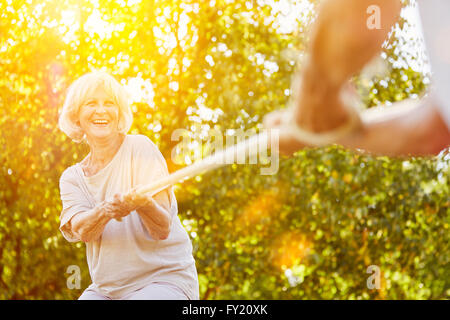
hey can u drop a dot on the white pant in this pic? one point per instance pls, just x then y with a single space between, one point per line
153 291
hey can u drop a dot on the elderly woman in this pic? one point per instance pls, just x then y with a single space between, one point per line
136 246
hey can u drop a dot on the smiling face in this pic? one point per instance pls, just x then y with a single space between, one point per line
99 116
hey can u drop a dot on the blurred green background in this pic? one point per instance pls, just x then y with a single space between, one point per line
308 232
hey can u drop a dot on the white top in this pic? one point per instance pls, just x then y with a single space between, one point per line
435 16
126 258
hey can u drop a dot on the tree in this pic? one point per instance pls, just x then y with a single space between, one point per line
309 231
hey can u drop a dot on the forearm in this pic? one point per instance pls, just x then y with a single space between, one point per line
88 226
342 43
406 129
343 39
156 219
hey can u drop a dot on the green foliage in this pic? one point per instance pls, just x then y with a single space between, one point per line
309 231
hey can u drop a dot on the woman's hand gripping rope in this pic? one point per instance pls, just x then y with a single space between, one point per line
123 204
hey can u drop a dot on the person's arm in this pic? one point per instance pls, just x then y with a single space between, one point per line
404 129
89 225
342 43
344 37
410 128
154 212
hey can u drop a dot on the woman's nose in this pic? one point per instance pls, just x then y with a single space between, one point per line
100 108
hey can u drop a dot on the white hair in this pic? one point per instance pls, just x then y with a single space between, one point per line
79 92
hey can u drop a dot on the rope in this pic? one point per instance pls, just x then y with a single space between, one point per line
251 147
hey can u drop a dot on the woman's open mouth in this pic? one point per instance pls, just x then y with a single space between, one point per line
100 123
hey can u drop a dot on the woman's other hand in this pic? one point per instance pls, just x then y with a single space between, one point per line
120 207
137 200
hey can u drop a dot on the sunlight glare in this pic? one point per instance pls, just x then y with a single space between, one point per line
95 24
289 250
140 91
